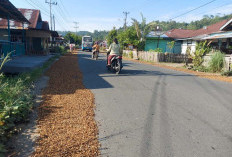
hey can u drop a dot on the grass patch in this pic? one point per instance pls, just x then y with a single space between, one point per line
16 100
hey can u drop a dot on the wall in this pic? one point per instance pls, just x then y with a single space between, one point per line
228 61
185 46
151 44
157 57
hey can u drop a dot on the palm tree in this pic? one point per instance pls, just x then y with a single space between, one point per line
142 29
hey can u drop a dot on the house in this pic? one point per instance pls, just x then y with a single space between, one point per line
154 41
184 39
35 36
198 35
222 40
9 12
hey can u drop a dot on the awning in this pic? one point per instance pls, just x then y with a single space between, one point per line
7 9
223 35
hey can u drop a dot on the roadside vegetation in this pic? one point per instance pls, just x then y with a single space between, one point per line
16 99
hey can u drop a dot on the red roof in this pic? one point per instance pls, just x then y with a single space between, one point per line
32 15
184 33
179 33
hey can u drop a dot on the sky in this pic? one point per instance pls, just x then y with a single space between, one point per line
105 14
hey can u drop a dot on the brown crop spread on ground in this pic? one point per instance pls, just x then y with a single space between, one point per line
66 117
212 76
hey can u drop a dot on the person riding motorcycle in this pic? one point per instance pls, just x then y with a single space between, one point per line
96 48
114 50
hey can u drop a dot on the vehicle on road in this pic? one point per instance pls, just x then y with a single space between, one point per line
95 54
87 43
115 64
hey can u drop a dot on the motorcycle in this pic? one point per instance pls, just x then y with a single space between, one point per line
95 54
115 64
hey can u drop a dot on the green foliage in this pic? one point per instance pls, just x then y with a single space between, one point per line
130 54
60 50
128 37
73 38
158 50
201 68
226 73
205 21
188 51
5 60
202 48
16 100
171 44
217 62
111 36
142 29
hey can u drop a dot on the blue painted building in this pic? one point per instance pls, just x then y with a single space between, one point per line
154 42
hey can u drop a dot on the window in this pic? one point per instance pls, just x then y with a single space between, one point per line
189 42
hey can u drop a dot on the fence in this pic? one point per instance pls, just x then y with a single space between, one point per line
172 57
15 48
157 57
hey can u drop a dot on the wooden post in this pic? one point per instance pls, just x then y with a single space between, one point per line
9 35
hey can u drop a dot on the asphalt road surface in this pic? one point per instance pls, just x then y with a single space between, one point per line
148 111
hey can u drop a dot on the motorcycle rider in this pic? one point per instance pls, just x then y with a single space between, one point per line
114 50
96 48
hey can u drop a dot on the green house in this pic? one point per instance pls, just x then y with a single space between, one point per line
154 42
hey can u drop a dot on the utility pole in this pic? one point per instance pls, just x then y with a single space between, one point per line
125 13
76 23
50 4
54 22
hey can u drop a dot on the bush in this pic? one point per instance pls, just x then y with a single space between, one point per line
201 68
131 54
158 50
16 100
217 62
202 48
227 73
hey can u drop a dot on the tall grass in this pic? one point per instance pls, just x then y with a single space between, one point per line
217 62
16 100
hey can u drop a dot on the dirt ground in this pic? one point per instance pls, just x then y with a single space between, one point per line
66 117
179 67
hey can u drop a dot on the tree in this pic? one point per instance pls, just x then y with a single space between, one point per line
142 29
111 36
129 36
72 38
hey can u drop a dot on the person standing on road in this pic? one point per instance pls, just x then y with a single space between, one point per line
114 50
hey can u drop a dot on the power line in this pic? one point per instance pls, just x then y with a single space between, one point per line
193 9
214 8
65 10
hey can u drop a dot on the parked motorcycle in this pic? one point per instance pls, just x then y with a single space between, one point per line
116 64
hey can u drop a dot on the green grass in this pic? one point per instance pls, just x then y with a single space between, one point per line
16 100
217 62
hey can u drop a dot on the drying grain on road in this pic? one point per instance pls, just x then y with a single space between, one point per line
66 117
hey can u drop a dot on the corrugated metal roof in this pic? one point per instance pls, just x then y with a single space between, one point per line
32 15
222 35
154 34
8 9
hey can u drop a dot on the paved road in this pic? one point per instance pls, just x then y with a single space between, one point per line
149 111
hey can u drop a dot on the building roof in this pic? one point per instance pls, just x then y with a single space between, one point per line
154 34
7 9
32 15
221 35
179 33
185 33
227 26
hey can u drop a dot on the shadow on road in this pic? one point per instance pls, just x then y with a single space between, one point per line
94 71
